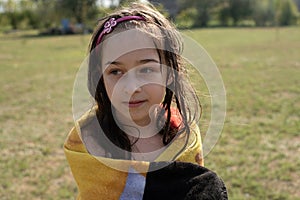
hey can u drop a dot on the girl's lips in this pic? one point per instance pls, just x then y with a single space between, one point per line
133 104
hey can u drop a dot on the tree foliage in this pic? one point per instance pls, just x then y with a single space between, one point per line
287 12
19 14
275 13
235 11
45 13
203 7
77 9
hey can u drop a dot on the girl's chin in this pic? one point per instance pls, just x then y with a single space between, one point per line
134 119
136 116
140 121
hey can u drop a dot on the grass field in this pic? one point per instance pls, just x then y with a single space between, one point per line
257 155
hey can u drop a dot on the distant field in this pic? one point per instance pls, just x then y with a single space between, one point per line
258 152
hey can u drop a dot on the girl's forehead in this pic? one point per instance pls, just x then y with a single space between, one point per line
125 42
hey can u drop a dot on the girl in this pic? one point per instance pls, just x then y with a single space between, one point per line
145 116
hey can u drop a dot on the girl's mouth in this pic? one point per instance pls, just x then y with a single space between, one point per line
134 104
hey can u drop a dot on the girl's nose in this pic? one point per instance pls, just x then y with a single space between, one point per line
131 84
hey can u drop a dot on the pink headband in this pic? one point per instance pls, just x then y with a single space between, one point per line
112 22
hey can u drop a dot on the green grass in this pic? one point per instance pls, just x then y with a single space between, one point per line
257 155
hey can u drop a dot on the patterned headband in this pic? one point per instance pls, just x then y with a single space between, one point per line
112 22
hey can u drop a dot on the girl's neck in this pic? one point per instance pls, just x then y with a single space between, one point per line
148 149
145 128
140 132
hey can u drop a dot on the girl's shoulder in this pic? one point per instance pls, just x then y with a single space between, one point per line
83 137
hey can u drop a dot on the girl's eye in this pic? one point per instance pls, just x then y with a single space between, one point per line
115 72
147 70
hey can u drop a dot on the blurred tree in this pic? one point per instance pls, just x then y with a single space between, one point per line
240 9
264 13
235 10
169 8
204 10
185 19
78 9
48 13
287 12
275 12
224 13
29 15
10 9
187 13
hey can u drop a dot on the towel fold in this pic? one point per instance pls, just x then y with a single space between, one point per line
107 178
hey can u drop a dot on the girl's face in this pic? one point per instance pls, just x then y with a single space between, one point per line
134 81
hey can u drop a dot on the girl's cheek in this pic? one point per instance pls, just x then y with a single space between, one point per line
155 90
109 86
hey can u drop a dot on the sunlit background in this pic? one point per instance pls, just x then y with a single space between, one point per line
254 43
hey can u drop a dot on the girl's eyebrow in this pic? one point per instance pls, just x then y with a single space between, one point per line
112 63
142 61
147 60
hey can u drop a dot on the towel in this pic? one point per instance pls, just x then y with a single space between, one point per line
108 178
